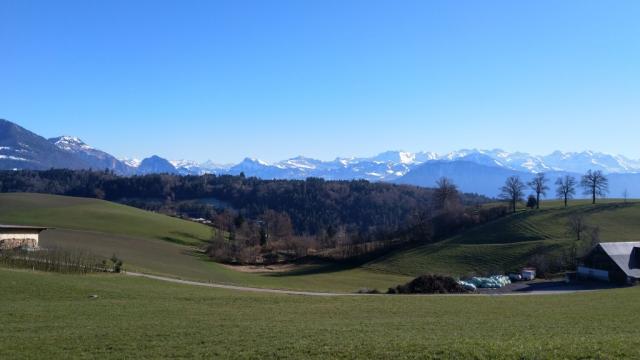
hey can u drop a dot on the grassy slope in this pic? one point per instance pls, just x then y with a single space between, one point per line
97 215
51 316
508 243
137 237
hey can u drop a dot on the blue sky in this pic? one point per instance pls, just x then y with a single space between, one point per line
223 80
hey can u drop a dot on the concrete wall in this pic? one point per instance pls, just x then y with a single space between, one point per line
16 239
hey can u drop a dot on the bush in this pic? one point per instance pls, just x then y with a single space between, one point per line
430 284
368 291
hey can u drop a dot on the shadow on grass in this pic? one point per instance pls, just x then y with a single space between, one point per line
561 285
309 265
175 240
597 208
179 238
188 236
316 269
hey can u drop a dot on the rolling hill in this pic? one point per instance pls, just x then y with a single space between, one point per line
510 242
82 214
159 244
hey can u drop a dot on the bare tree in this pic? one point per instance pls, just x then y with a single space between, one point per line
512 191
446 194
566 188
539 185
595 184
625 195
576 226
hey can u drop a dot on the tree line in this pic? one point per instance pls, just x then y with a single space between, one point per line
593 183
268 219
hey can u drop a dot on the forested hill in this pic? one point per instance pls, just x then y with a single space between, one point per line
313 205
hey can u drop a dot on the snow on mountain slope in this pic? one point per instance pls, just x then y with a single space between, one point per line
22 149
391 165
70 143
94 158
134 163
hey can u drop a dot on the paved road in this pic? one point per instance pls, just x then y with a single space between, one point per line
329 294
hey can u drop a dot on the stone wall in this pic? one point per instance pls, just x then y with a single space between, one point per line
13 241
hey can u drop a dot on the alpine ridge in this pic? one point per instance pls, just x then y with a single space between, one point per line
474 170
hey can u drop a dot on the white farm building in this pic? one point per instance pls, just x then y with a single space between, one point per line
18 236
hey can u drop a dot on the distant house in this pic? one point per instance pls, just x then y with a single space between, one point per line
17 236
616 262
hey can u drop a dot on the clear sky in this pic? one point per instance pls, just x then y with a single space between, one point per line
222 80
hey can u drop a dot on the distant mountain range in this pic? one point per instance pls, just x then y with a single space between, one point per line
480 171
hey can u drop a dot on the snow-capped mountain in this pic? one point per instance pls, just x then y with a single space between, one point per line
70 143
22 149
477 170
556 161
134 163
96 159
402 157
573 161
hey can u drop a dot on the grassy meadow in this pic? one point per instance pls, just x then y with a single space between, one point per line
159 244
47 315
509 242
64 212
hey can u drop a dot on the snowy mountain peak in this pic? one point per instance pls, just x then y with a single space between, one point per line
134 163
254 161
70 143
183 163
402 157
301 162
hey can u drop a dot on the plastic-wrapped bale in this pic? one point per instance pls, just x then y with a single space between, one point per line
493 282
501 280
467 285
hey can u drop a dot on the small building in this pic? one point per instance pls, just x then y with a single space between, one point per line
615 261
18 236
528 274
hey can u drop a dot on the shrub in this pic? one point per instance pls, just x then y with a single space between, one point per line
116 264
368 291
430 284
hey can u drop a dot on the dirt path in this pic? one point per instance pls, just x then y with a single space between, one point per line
239 288
329 294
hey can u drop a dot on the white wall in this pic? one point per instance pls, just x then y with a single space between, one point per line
17 239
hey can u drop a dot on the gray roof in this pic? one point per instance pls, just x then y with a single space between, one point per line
22 227
626 255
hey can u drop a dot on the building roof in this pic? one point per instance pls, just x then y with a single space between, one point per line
22 227
626 255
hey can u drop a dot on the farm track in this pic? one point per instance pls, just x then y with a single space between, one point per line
330 294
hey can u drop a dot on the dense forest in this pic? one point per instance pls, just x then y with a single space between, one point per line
258 216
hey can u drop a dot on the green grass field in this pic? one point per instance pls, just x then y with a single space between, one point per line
158 244
163 245
46 315
509 242
98 216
